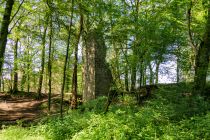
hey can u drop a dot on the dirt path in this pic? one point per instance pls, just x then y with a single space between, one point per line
16 108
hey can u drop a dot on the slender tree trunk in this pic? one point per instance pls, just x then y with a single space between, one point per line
151 74
23 80
4 30
68 77
42 62
177 71
2 81
141 74
0 84
50 66
157 72
74 78
28 67
145 75
126 72
15 82
66 60
133 74
202 61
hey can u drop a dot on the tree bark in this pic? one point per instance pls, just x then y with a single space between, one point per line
4 30
23 80
15 82
202 61
133 74
28 68
126 72
42 62
0 84
177 71
157 72
66 60
74 77
50 66
151 74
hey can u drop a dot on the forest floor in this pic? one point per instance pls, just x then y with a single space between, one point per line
26 108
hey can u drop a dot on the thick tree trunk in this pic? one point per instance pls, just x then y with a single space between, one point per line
15 82
4 31
202 61
42 62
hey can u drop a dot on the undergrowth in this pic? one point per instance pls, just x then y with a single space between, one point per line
168 115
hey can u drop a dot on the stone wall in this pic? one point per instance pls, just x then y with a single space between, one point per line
97 76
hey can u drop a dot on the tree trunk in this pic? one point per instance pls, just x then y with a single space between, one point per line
0 84
202 61
42 63
135 54
50 66
151 74
68 77
133 74
28 66
141 74
126 72
15 82
2 81
4 30
74 77
66 60
23 80
145 75
177 71
157 72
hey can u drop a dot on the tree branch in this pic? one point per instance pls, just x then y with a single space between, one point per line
16 11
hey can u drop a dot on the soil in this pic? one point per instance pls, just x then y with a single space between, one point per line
26 108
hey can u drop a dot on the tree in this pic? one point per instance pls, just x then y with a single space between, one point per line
66 57
202 60
74 77
4 30
15 83
42 58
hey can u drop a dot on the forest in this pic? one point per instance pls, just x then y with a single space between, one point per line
104 69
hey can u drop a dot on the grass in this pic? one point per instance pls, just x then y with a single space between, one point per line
167 116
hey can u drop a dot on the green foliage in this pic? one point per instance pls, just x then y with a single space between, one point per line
168 115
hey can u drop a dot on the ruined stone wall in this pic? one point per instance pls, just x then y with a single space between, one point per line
97 76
